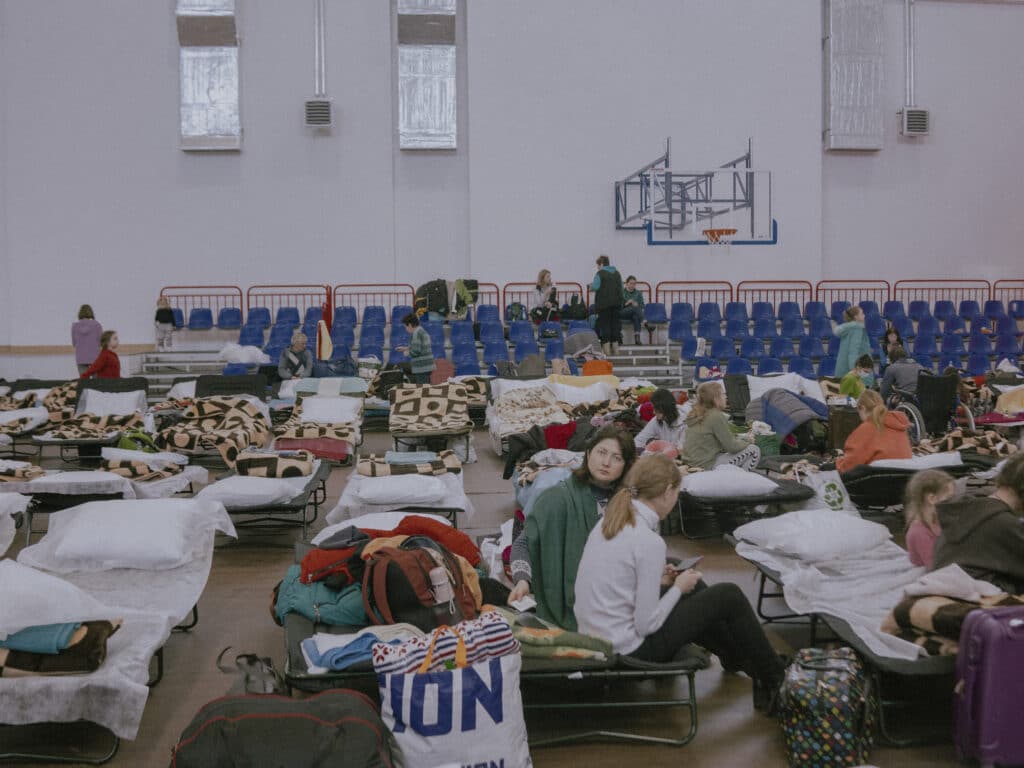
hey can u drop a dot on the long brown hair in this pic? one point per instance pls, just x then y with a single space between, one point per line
105 338
707 393
85 313
871 402
540 278
928 481
650 476
626 446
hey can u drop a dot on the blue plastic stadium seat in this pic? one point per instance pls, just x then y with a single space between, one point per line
398 313
739 365
919 309
765 329
803 367
926 362
903 324
229 318
751 348
709 310
688 348
762 310
892 309
838 310
678 330
950 361
487 313
553 348
768 365
789 309
704 362
736 329
281 335
200 319
494 351
273 351
462 350
345 315
313 315
492 332
781 347
436 333
310 330
251 336
820 328
954 324
810 346
870 307
461 332
736 310
655 314
467 367
813 310
399 336
235 369
969 310
526 348
344 335
578 325
1005 326
397 356
952 344
549 329
874 325
994 309
373 314
372 350
792 327
258 316
1015 309
287 316
827 366
979 344
1007 346
928 326
944 310
372 335
709 328
341 352
978 365
520 331
723 348
681 310
924 345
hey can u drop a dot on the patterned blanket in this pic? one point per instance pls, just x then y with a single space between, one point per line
520 409
476 390
275 464
296 429
87 426
8 403
17 426
61 401
375 466
987 443
429 408
139 470
227 424
624 400
933 621
18 471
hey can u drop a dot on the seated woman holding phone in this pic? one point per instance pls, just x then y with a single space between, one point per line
628 594
543 302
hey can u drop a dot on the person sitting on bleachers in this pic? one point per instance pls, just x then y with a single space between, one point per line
901 373
543 301
296 360
632 306
882 434
709 442
985 536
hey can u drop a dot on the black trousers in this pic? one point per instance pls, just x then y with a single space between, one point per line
720 619
609 325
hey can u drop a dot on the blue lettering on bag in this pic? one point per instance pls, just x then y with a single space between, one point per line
474 690
442 681
397 688
491 764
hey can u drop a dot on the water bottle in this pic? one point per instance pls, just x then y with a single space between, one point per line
444 598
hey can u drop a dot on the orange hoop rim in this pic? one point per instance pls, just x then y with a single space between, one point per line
715 235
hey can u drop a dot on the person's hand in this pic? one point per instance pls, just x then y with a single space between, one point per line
687 580
668 576
519 591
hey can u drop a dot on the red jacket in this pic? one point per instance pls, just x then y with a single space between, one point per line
865 444
106 366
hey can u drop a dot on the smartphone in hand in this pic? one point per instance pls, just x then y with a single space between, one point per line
686 564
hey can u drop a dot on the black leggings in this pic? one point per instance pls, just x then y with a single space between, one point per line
720 619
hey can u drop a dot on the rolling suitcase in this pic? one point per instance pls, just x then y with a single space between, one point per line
989 682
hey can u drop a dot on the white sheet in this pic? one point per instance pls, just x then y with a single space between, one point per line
349 506
860 590
97 481
38 416
10 505
151 603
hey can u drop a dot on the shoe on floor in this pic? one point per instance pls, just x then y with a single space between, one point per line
636 339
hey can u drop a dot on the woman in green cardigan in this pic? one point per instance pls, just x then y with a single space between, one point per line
421 355
546 555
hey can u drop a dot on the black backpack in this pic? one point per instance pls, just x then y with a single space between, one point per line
337 727
575 309
433 297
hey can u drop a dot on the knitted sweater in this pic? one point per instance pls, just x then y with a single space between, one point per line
853 342
106 366
421 356
709 438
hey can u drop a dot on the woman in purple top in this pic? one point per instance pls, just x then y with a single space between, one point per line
85 337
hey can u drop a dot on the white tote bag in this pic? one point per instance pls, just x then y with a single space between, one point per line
829 491
469 715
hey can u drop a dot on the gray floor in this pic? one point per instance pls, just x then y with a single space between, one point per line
235 611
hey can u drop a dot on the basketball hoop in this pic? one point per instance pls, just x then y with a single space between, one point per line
721 236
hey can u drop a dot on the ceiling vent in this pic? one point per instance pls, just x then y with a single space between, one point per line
318 113
318 109
913 121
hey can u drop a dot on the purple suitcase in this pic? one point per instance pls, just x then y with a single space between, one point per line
989 682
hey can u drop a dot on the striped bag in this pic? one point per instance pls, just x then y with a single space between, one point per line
486 637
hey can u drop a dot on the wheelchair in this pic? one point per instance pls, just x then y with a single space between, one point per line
935 408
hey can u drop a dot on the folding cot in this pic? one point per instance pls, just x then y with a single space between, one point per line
444 495
23 412
150 577
328 421
428 413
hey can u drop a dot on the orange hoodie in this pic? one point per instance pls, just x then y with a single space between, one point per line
865 444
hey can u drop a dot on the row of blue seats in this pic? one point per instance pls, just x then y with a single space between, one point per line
975 365
724 348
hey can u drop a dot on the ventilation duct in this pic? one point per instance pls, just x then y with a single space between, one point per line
913 121
318 109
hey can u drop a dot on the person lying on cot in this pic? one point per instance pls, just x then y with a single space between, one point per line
882 434
546 555
626 594
985 536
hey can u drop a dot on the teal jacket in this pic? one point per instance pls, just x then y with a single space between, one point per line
853 342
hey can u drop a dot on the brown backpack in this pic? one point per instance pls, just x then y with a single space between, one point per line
396 586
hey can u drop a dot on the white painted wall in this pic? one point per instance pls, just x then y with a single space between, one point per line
98 205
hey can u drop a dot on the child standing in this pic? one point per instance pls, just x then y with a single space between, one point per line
107 364
925 489
853 341
164 322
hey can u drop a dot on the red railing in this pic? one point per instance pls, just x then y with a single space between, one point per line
670 292
488 293
853 291
300 296
216 297
774 292
641 285
363 295
1008 290
522 293
941 290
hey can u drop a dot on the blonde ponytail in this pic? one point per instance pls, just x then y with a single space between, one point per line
648 478
871 402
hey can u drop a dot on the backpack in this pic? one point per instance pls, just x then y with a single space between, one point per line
575 309
336 727
137 440
515 311
397 588
433 297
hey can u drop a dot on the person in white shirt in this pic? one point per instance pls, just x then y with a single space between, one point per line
628 595
668 423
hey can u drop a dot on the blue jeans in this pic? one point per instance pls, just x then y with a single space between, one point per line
634 314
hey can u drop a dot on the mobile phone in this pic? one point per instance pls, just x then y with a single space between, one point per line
687 564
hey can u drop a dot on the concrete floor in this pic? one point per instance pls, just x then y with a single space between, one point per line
235 611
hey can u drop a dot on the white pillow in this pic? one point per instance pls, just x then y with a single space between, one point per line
810 388
400 489
501 386
592 393
814 535
331 410
4 389
33 597
727 480
153 534
183 390
111 403
760 384
39 393
375 521
945 459
240 491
